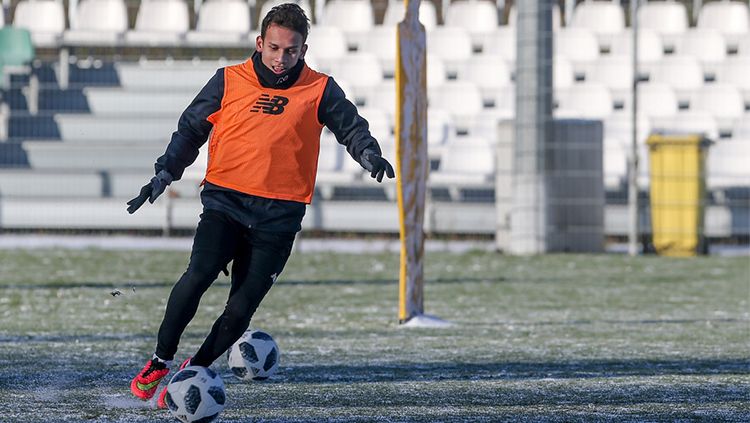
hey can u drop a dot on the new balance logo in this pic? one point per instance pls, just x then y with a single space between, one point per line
270 105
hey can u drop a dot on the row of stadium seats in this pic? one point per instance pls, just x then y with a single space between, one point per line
103 22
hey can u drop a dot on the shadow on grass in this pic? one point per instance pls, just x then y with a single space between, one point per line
513 371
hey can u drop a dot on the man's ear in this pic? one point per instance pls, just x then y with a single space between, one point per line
259 44
304 50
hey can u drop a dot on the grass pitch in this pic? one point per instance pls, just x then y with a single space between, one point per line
549 338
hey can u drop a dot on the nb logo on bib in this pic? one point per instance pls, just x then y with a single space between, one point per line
270 105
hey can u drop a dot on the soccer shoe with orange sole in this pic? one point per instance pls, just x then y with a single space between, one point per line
161 401
145 383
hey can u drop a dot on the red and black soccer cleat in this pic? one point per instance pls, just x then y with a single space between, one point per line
144 384
161 402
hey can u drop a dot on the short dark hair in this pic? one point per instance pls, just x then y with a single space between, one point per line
288 15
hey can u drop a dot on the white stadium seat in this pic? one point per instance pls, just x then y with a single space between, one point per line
462 99
706 45
381 41
489 72
664 17
384 97
683 73
269 4
328 45
45 19
657 100
451 44
160 23
579 46
362 71
727 164
604 19
616 73
98 22
464 162
591 100
687 122
615 163
722 101
735 71
501 41
743 45
221 22
620 126
667 18
440 127
380 125
396 10
731 18
650 48
353 17
477 17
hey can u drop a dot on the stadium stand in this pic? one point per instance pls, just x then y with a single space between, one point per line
97 137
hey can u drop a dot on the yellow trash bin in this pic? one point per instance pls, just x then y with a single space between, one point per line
677 172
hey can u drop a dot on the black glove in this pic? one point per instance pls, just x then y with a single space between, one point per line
150 191
377 165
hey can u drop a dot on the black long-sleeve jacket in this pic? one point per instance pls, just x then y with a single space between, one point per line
335 112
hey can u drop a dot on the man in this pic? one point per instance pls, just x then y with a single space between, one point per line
264 118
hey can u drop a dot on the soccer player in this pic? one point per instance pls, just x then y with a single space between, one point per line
264 118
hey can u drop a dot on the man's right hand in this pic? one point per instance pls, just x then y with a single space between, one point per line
150 191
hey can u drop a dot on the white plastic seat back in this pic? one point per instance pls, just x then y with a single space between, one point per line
599 17
577 44
650 46
614 71
460 98
467 156
657 100
680 72
45 19
666 17
726 166
475 16
591 100
689 122
729 17
706 45
722 101
396 10
449 43
349 15
735 71
486 71
381 41
224 16
101 15
168 16
502 41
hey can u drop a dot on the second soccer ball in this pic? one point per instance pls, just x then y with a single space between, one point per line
255 356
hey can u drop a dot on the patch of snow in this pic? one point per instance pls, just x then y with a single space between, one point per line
426 321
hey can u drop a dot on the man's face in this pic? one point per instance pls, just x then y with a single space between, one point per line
281 49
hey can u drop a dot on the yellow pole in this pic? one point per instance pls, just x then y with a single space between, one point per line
411 158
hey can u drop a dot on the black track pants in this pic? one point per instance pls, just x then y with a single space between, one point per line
259 257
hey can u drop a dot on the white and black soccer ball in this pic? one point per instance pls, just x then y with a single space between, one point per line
195 394
255 356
